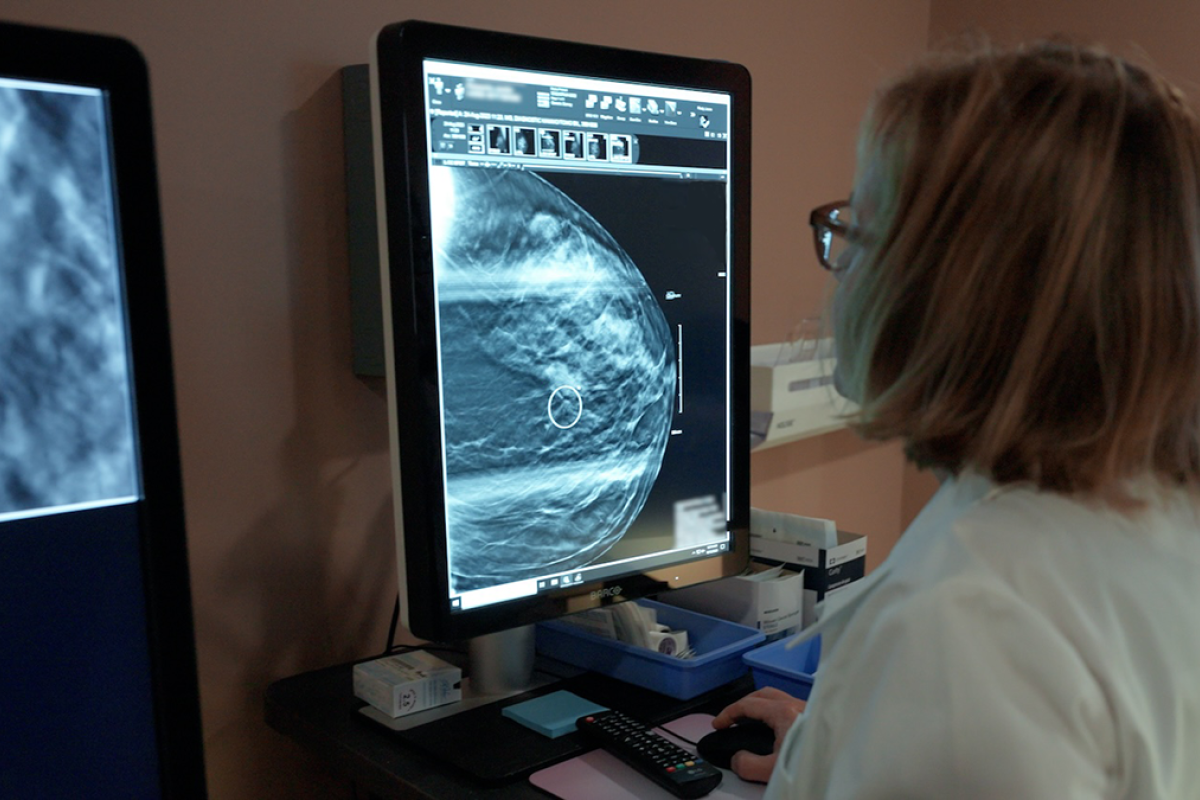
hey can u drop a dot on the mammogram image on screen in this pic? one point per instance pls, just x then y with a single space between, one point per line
66 433
558 375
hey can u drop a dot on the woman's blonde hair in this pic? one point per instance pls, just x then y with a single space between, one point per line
1027 302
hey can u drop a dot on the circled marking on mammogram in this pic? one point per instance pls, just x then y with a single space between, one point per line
550 406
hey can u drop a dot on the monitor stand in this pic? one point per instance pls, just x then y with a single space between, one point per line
473 735
502 663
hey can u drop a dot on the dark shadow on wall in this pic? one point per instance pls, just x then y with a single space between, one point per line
316 574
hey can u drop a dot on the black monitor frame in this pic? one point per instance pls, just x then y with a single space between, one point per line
116 67
406 259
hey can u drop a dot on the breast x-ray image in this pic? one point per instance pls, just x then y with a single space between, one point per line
66 433
558 377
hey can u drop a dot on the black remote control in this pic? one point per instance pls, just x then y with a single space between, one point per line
670 766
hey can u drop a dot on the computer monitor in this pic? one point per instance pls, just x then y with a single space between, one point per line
564 235
97 665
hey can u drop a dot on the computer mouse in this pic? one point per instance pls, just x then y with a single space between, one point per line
718 747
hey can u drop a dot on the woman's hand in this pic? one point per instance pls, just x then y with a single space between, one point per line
772 706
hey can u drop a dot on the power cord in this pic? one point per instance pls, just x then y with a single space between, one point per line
391 638
392 648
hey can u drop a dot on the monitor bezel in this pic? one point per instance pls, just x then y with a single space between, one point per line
117 68
400 141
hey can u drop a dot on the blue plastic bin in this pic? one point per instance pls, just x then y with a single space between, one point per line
719 646
790 670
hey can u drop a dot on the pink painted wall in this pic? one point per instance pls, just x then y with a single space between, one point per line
284 450
1157 32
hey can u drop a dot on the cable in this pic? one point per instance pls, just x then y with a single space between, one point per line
391 639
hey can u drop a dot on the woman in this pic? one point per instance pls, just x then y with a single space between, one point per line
1019 303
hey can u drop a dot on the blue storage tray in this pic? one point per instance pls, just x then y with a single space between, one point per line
790 670
719 646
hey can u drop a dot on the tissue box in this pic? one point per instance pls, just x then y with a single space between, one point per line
772 606
407 683
826 570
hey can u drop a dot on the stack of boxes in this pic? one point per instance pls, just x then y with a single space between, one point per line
796 563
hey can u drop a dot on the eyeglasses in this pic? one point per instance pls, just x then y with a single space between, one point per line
834 231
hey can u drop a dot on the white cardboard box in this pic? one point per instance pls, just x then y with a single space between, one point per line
791 391
825 570
773 606
787 375
407 683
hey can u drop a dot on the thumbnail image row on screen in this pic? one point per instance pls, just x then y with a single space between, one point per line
514 140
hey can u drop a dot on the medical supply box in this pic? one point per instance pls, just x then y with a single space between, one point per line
826 569
791 391
407 683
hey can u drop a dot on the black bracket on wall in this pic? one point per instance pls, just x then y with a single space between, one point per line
362 229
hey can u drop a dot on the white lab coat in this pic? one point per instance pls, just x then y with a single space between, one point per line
1015 645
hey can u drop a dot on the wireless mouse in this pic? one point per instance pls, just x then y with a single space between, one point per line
718 747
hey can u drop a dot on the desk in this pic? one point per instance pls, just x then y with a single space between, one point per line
319 710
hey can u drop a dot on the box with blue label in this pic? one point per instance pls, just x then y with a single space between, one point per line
790 669
826 569
717 645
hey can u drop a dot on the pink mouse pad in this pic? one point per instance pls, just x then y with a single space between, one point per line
598 775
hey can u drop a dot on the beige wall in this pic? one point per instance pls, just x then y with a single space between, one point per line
1157 32
284 449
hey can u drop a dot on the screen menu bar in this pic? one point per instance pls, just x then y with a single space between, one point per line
513 118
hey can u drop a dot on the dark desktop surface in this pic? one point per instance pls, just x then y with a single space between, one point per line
319 710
